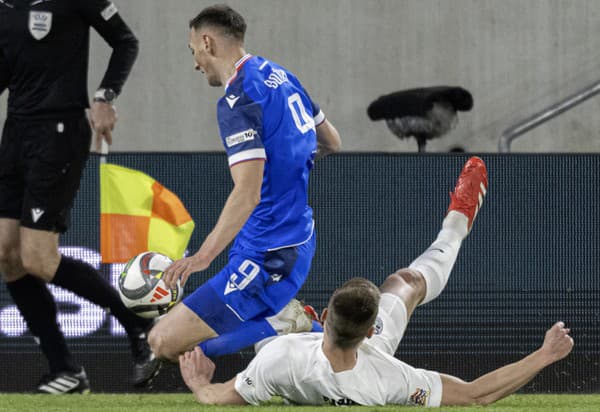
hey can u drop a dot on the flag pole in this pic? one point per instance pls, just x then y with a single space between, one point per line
103 155
103 152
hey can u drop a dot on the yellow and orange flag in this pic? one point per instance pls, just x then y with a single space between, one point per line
139 214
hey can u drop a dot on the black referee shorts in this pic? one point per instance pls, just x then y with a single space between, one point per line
41 162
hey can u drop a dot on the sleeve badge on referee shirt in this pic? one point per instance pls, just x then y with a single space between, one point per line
40 23
109 11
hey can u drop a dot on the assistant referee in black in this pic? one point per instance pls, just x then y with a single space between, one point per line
44 47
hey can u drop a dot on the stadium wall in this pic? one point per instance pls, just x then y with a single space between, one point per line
515 56
531 260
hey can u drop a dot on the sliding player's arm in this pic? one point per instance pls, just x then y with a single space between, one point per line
197 371
507 380
261 380
219 394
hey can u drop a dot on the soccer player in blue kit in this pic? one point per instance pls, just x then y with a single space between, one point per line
272 132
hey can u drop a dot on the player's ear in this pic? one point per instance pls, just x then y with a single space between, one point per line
210 44
371 332
205 42
324 315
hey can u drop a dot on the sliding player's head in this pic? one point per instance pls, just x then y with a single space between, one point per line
351 313
216 34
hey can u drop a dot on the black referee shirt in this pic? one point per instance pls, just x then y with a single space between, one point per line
44 48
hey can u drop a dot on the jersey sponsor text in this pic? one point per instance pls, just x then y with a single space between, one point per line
241 137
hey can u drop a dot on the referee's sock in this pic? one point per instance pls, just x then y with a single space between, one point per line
38 308
85 281
436 263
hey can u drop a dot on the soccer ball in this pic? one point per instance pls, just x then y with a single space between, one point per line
141 288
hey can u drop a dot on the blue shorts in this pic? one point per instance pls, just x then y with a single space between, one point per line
252 285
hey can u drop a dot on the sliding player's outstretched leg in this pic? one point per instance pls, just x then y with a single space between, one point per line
427 275
436 263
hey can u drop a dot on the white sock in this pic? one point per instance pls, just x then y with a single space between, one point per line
436 263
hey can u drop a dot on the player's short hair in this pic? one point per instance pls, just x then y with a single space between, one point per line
352 310
223 17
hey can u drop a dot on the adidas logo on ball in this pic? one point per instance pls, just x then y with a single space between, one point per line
142 289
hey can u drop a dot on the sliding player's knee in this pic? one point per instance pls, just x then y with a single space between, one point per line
406 283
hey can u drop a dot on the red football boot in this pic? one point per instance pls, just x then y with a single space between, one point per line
470 190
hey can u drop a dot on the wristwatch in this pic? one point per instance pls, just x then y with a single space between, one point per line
105 96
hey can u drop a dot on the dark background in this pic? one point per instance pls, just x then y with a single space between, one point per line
532 259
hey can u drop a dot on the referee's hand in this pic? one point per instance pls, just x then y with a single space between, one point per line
103 117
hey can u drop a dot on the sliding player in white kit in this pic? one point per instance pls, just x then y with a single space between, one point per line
340 367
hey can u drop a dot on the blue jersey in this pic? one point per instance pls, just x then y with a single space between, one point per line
267 114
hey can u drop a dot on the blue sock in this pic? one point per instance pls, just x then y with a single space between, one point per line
248 333
316 327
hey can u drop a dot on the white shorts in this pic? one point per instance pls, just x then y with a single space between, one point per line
424 388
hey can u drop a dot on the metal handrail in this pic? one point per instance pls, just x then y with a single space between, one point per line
545 115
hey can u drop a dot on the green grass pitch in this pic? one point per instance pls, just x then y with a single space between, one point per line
180 403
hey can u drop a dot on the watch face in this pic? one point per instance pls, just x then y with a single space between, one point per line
109 95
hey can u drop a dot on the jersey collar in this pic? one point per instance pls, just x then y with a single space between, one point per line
238 65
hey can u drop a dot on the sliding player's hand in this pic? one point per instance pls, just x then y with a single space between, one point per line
557 343
196 369
182 269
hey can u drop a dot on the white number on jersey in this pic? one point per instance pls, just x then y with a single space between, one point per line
248 270
303 121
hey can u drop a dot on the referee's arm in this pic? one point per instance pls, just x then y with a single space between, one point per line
4 74
102 15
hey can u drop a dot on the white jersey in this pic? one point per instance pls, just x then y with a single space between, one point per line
295 368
